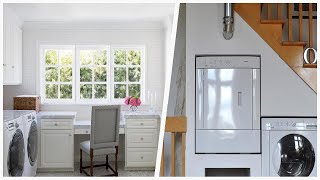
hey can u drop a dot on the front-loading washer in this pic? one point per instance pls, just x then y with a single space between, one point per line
289 146
31 143
14 148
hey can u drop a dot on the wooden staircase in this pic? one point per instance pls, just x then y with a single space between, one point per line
271 31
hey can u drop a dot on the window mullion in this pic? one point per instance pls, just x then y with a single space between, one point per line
59 73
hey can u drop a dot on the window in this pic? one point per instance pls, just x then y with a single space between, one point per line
87 74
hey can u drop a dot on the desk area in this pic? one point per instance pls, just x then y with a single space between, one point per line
141 131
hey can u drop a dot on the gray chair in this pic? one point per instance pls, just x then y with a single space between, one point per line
104 138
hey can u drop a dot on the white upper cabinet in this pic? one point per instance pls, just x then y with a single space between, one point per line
12 59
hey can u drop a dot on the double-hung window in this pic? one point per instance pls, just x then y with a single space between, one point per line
91 73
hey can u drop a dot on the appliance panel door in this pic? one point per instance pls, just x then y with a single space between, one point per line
227 99
199 98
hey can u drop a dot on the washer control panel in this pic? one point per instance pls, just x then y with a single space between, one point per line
289 124
227 62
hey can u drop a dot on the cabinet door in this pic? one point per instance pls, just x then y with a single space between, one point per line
56 149
227 99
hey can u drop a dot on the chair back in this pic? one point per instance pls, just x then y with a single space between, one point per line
105 122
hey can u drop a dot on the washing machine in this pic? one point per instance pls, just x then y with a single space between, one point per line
289 146
14 147
31 143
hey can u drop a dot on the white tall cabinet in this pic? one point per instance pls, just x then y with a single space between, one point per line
12 59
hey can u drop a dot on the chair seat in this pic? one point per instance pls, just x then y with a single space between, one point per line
85 146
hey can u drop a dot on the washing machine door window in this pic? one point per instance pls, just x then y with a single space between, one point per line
32 146
16 154
295 154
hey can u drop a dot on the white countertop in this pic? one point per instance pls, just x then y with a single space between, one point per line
56 114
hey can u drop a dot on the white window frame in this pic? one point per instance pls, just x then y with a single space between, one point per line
76 74
142 70
43 71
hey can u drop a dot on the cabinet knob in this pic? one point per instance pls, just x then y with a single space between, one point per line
56 124
12 66
141 124
141 139
70 134
141 157
4 65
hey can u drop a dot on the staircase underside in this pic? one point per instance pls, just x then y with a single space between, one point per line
271 33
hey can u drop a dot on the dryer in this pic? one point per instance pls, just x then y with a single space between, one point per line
31 143
289 146
14 148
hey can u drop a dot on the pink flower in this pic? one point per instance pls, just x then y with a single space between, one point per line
127 100
133 102
138 101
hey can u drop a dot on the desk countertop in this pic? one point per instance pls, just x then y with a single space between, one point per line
56 114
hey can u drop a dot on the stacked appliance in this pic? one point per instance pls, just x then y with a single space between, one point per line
289 146
227 105
20 139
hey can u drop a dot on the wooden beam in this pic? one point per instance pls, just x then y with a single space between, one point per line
279 11
162 162
290 8
300 22
176 124
173 153
310 33
183 158
269 11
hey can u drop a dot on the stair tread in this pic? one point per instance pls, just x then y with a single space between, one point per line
294 43
310 65
273 21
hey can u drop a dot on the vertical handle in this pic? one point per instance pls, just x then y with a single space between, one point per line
239 98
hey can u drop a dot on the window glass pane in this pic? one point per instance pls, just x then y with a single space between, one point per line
66 91
66 74
85 91
51 91
100 91
85 74
134 90
120 90
51 57
86 57
100 57
134 57
134 74
51 74
119 74
120 57
100 74
65 57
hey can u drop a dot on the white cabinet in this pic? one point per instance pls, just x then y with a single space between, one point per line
141 142
57 144
12 59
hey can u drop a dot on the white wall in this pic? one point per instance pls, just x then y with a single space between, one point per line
283 93
150 34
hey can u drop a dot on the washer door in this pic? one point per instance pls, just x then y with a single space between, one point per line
32 146
16 154
294 155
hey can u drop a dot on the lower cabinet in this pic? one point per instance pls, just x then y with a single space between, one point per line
141 143
56 149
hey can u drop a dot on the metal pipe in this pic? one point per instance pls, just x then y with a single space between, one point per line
228 21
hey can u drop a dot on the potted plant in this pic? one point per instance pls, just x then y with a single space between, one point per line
134 102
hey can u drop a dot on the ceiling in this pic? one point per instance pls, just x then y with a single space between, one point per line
91 11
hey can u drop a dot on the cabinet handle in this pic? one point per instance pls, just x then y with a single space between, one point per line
70 134
56 124
141 124
12 66
4 65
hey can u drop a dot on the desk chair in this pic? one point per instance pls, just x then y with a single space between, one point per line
104 138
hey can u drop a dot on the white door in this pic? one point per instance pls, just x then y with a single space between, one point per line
293 153
227 99
56 149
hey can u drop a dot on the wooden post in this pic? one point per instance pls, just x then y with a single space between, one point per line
279 11
310 33
183 149
269 11
162 162
300 22
290 5
173 153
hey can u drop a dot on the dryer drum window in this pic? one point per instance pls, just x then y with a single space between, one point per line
33 143
296 154
16 154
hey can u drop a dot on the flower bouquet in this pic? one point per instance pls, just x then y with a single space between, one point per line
134 102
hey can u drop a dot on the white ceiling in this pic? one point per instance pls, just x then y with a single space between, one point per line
91 11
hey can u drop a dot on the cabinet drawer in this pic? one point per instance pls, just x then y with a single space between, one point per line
142 138
82 131
141 123
141 157
56 123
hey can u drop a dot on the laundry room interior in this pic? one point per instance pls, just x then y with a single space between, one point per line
83 87
249 73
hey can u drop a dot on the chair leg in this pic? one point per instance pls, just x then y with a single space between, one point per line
80 161
91 162
107 162
116 161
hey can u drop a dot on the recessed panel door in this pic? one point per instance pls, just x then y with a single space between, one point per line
227 99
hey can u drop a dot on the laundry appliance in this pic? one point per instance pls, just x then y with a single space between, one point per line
31 143
289 146
14 147
227 105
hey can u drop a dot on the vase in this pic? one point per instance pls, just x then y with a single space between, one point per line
133 108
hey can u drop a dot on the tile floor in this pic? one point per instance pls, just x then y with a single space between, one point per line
98 171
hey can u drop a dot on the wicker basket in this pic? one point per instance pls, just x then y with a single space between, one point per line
25 102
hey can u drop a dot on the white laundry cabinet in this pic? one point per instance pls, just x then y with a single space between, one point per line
141 141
